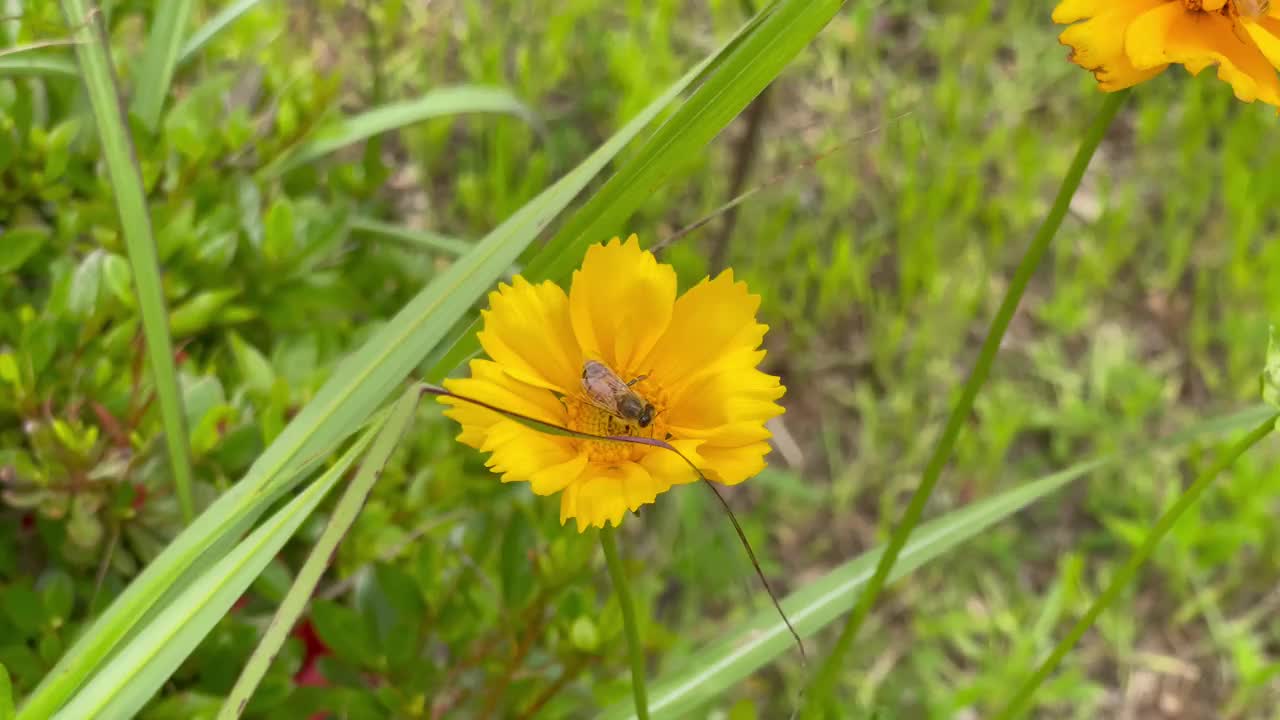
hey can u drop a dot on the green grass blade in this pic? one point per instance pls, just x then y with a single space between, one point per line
359 384
344 515
37 65
155 70
135 222
423 239
6 695
436 103
762 638
756 56
144 664
1129 570
216 24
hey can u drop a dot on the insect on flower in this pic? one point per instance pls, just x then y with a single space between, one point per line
1252 9
607 391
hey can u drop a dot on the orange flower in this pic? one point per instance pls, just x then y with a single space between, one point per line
689 360
1124 42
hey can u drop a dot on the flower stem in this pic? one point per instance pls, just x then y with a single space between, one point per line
619 578
1130 570
824 681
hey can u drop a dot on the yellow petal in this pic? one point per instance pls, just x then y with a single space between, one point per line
709 324
1069 11
490 384
667 469
528 332
601 498
730 466
519 453
620 303
1197 40
1098 44
551 480
1266 34
726 402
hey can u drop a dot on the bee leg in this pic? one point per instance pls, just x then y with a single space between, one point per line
636 379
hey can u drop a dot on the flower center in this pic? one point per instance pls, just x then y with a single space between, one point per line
589 418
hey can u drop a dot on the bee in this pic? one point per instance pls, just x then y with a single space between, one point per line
607 391
1253 9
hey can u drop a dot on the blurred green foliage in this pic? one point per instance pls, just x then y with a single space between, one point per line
920 145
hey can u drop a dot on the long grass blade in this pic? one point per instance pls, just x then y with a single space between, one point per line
37 65
215 25
423 239
135 222
436 103
159 59
344 515
762 638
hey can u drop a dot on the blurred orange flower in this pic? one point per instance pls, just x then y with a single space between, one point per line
1124 42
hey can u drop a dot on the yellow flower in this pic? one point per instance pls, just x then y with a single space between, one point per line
695 359
1124 42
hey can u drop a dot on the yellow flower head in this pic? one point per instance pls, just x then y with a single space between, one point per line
1123 42
693 358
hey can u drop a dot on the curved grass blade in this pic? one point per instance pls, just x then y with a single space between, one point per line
757 641
424 239
135 223
753 59
216 24
159 58
358 386
436 103
344 515
37 65
144 664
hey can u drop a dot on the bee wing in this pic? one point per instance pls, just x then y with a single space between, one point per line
603 389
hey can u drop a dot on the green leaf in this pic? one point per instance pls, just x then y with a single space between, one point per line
58 592
156 66
254 368
584 634
762 638
200 312
436 103
58 149
278 243
516 568
115 270
23 607
86 284
344 631
18 244
1271 372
